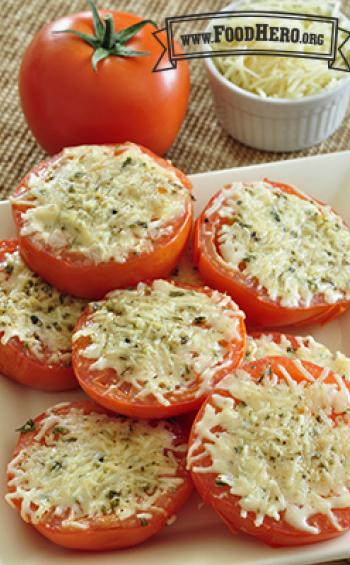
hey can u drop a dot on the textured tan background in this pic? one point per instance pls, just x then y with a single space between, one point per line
201 145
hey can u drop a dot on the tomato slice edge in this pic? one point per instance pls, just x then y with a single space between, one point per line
260 309
149 408
124 533
271 532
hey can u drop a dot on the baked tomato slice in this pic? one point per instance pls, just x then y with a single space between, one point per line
283 256
86 479
157 350
269 451
36 325
266 344
96 218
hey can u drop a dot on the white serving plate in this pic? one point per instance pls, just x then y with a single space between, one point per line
198 537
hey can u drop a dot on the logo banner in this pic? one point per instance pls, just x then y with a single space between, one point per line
231 33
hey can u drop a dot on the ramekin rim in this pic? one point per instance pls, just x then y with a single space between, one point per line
212 68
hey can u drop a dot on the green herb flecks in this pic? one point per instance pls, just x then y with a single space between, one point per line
275 216
59 430
199 320
176 293
114 498
29 426
57 466
127 162
220 483
143 522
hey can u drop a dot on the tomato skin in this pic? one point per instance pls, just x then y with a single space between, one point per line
131 408
67 103
125 403
94 281
101 540
261 311
272 532
20 365
80 277
109 533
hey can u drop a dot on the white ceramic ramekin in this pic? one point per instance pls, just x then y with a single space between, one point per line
277 124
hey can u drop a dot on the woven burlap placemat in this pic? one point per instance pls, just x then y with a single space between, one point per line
201 145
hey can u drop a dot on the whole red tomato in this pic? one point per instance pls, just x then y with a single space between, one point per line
67 101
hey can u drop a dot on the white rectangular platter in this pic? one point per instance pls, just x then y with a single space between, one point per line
197 537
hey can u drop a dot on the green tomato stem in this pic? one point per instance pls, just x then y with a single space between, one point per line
108 34
106 42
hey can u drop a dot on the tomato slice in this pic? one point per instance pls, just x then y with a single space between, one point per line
261 310
159 353
78 275
218 487
266 344
107 528
52 369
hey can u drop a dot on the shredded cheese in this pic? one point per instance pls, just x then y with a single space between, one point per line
82 467
281 77
101 204
34 312
307 348
292 249
278 448
165 341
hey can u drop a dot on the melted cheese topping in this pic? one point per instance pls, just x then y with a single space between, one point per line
278 448
34 312
93 466
103 205
307 348
293 249
160 338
